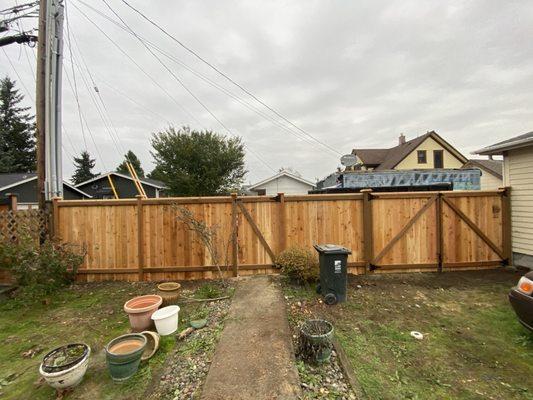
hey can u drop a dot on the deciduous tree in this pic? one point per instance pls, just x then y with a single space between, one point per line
197 163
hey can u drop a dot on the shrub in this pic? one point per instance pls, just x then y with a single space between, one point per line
298 264
40 270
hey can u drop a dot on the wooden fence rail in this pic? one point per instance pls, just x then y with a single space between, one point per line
142 239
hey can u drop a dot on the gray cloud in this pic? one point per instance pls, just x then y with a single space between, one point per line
350 73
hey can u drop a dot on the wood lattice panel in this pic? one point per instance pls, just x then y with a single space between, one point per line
17 224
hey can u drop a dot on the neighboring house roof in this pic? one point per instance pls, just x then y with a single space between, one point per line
146 181
11 180
389 158
516 142
494 167
279 175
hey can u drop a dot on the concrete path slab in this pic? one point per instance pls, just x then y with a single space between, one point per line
254 358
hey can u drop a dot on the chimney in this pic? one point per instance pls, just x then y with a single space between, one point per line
401 139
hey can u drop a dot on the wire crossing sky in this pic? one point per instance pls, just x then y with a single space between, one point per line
314 79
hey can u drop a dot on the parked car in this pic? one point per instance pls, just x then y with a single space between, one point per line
521 298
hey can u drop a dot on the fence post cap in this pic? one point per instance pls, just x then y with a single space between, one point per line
365 190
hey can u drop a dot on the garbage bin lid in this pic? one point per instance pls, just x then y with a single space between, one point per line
332 249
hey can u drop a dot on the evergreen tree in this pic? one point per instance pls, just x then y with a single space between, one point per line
17 131
135 162
83 168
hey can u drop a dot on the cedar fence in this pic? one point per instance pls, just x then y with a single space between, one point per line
142 239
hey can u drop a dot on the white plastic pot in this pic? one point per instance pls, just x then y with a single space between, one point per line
69 377
166 320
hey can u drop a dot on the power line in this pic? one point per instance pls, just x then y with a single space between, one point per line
185 86
74 77
240 100
18 76
151 78
228 78
137 65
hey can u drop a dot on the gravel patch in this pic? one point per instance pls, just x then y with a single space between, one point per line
186 368
326 381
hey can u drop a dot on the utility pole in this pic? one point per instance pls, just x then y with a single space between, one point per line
40 106
48 100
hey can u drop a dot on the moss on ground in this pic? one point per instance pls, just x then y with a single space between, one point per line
90 313
473 346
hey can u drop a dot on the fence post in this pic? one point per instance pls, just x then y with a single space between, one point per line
235 235
506 225
438 219
140 236
282 223
13 197
367 229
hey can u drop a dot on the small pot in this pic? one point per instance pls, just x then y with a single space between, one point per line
169 291
166 320
123 355
65 376
322 340
152 344
140 309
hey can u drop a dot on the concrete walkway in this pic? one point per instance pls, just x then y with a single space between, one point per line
254 357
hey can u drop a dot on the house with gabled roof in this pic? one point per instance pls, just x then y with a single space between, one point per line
428 151
105 185
427 162
286 182
24 186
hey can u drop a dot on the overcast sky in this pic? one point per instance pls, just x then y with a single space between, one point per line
349 73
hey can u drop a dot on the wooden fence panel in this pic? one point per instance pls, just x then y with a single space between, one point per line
464 247
414 249
145 240
323 221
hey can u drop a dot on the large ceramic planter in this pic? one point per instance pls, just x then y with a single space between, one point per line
123 355
169 291
69 374
140 310
166 320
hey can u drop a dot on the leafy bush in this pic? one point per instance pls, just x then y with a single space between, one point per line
298 264
40 270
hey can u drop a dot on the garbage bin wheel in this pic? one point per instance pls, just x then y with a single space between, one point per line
330 299
318 289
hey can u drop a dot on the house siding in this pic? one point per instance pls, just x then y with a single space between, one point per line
125 188
411 161
284 184
489 181
518 174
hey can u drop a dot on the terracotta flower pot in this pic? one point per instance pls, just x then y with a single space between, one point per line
152 344
140 310
169 291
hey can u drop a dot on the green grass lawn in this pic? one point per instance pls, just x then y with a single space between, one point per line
90 313
473 346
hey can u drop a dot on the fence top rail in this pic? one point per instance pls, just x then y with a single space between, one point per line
270 199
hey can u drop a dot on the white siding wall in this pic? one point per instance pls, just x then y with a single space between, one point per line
518 173
285 184
489 181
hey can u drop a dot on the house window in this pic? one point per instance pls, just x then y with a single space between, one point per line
438 159
261 192
422 156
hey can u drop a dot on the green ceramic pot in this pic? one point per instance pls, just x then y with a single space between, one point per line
123 355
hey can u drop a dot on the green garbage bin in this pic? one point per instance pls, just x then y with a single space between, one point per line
333 272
